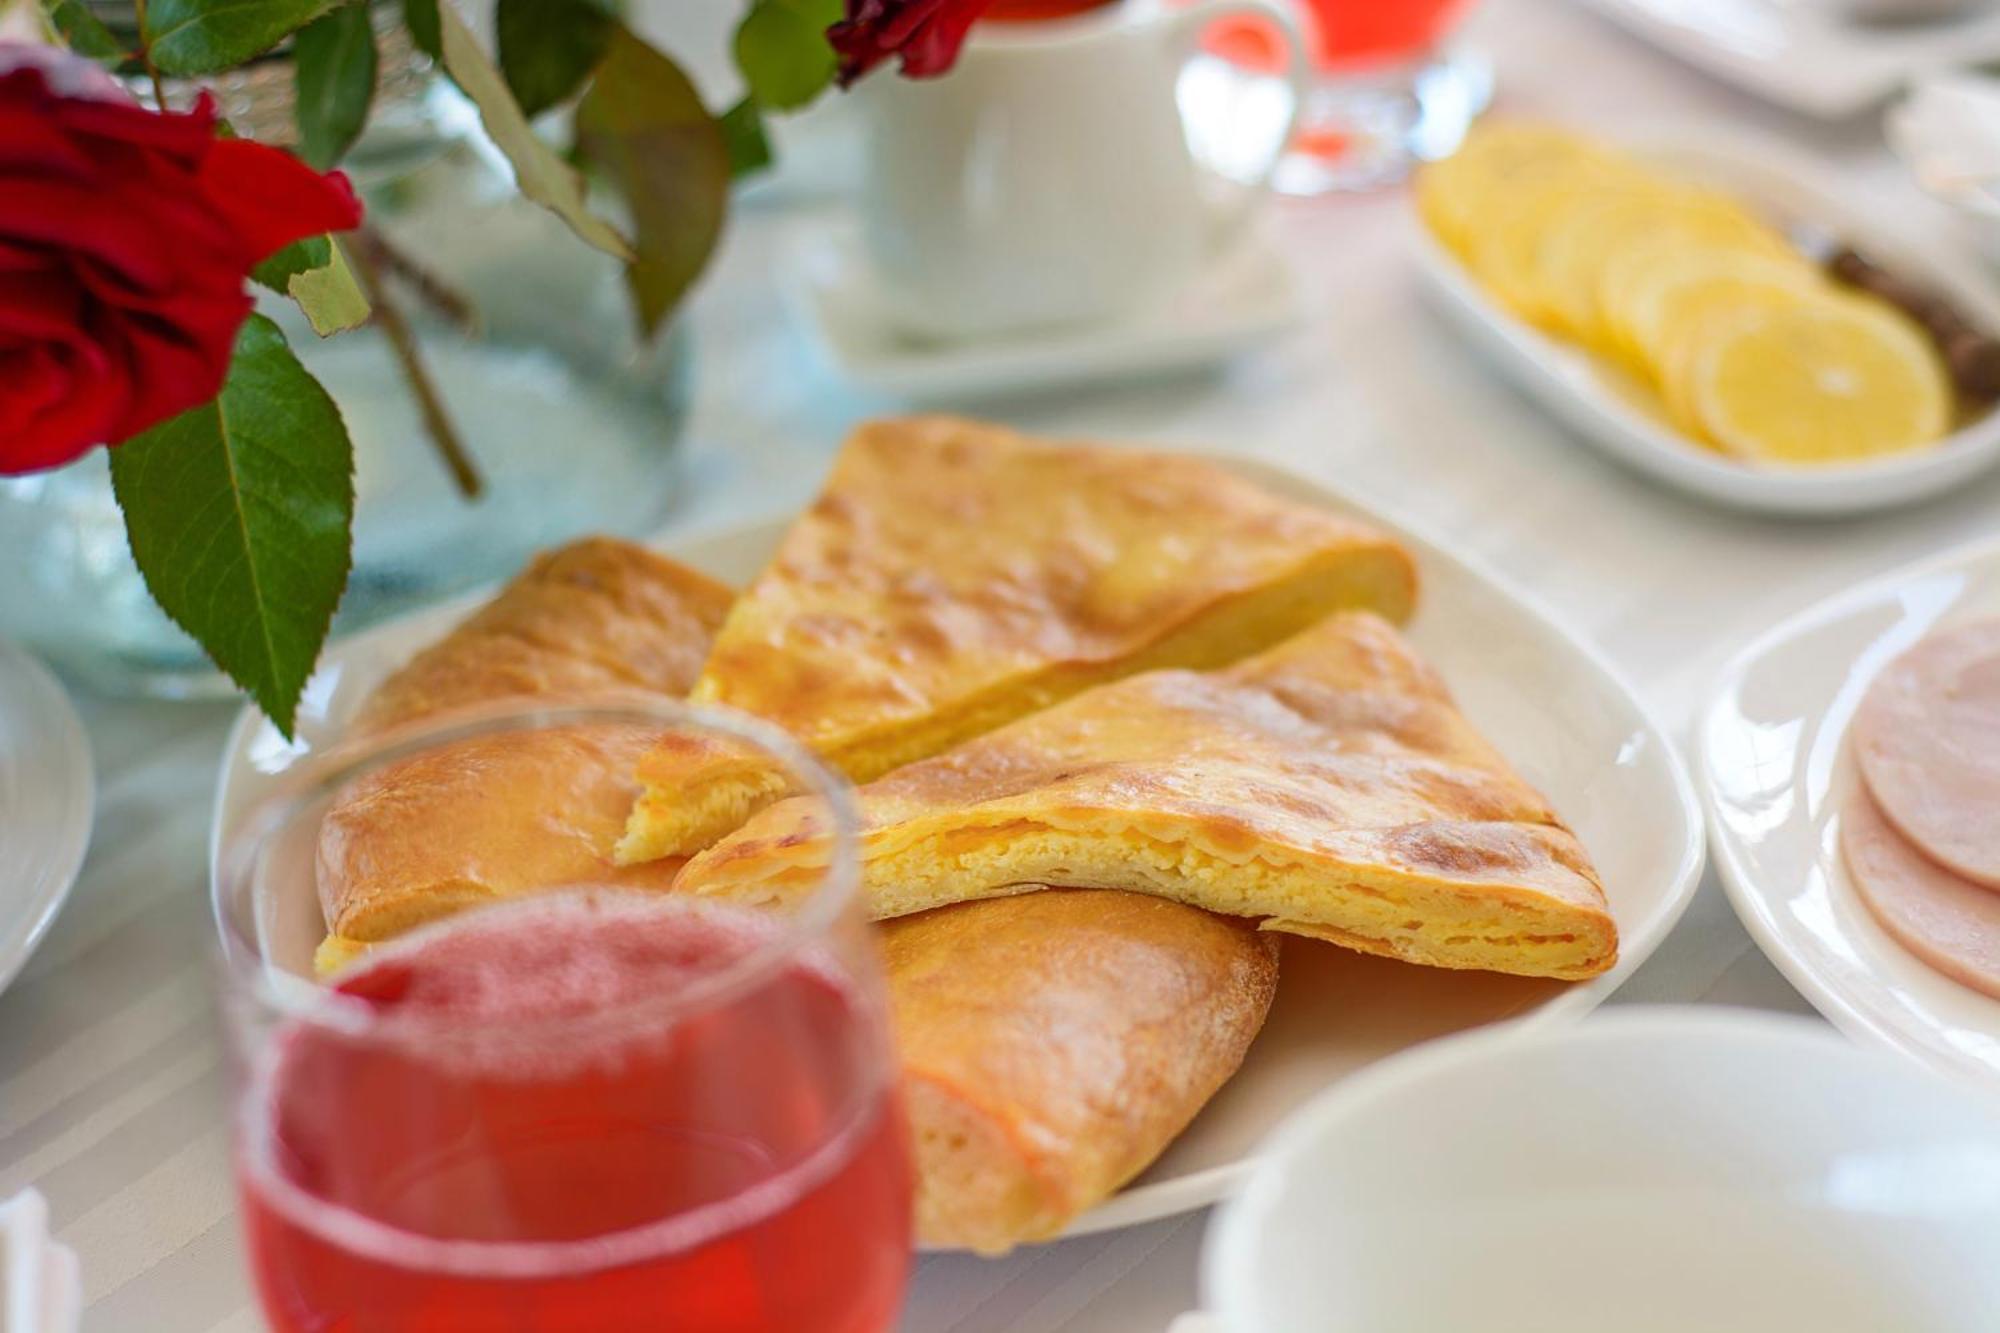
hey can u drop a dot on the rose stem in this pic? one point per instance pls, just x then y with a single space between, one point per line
427 286
146 55
437 422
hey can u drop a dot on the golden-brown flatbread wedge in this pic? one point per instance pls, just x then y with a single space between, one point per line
1054 1043
482 819
1328 786
596 615
506 814
954 576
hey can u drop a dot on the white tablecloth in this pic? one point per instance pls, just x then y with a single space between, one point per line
110 1069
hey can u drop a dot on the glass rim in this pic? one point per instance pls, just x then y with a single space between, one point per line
249 975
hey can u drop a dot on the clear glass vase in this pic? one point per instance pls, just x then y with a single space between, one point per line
571 421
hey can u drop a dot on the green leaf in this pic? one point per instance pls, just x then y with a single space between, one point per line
208 36
314 273
549 47
299 257
644 125
82 31
421 18
742 129
333 71
781 48
332 300
239 514
542 175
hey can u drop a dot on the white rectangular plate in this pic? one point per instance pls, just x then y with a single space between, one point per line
1546 699
1775 769
1802 55
1607 409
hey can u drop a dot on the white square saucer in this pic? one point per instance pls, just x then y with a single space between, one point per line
1244 297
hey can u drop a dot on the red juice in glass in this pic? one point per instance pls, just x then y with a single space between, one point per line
1028 11
1346 33
579 1114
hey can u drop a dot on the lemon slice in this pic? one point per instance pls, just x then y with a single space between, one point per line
1688 290
1578 251
1825 380
1572 251
1505 253
1637 275
1454 196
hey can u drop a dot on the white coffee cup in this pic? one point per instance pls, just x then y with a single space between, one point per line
1649 1171
1046 180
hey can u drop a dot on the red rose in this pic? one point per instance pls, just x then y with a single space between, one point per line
925 33
125 240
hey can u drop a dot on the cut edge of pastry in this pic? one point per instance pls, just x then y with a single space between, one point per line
686 807
1429 918
378 918
693 793
1233 627
336 952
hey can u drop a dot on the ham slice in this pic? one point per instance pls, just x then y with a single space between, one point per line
1950 923
1927 737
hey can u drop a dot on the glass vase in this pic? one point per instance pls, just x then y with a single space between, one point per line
572 422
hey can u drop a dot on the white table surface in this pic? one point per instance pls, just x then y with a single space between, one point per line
111 1079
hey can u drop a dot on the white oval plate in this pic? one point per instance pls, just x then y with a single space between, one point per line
46 798
1614 413
1773 762
1546 699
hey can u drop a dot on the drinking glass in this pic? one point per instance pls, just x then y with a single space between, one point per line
1391 91
587 1109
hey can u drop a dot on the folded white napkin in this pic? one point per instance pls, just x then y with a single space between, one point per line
40 1290
1948 131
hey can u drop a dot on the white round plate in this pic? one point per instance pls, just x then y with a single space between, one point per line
1547 700
46 797
1611 411
1775 769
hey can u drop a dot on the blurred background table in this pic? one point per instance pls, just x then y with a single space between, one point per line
111 1099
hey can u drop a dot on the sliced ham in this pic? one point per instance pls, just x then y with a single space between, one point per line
1927 737
1950 923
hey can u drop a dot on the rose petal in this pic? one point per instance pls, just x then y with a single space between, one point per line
43 304
184 136
175 365
926 34
53 403
272 199
126 240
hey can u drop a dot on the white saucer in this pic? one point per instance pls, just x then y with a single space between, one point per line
1246 296
46 798
1775 766
1806 56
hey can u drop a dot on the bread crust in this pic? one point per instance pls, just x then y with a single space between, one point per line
1055 1042
500 815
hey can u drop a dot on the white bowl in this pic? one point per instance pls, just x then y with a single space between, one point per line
1655 1171
1607 409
